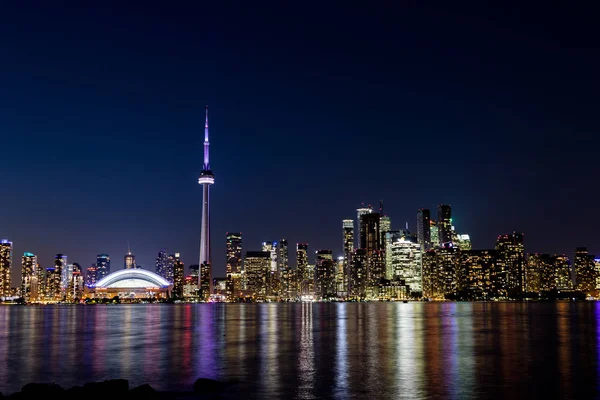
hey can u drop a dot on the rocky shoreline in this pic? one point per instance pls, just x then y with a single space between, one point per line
117 389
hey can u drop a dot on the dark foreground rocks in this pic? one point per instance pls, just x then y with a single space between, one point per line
117 389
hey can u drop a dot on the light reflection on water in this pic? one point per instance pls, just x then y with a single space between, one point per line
313 350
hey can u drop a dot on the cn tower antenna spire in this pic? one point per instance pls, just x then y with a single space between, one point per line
206 143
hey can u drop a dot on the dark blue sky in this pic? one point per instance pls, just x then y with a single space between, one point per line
314 108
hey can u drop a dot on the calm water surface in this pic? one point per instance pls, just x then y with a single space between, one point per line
313 351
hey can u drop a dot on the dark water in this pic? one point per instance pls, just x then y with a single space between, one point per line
307 351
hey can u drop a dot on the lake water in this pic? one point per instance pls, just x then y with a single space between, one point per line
313 350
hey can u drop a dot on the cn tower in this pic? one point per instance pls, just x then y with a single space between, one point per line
206 179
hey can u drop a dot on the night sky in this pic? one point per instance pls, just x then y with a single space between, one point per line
314 109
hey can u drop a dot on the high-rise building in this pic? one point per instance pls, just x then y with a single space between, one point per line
463 241
424 229
233 265
511 253
390 237
6 249
444 222
434 234
289 284
91 275
325 275
563 272
385 225
475 279
206 179
283 255
348 246
75 285
303 275
341 285
406 263
29 277
102 266
178 273
357 285
359 213
257 265
129 260
162 263
585 270
371 241
61 264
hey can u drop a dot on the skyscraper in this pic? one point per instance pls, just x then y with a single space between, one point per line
6 248
257 266
434 234
370 240
325 274
161 263
233 264
359 213
444 221
348 246
585 271
423 229
61 263
178 272
129 259
407 263
102 266
28 276
206 179
283 255
302 269
511 253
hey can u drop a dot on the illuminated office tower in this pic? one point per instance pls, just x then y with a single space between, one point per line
585 271
161 263
348 246
475 279
341 280
54 275
390 237
434 234
91 275
233 265
289 284
75 286
463 241
206 179
357 285
562 271
102 266
359 213
444 222
325 275
178 272
539 275
257 266
129 260
597 269
63 269
511 253
302 273
448 267
424 229
6 248
283 255
406 263
29 277
385 225
271 247
370 241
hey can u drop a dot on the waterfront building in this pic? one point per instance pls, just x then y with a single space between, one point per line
358 277
75 285
91 275
359 213
585 270
102 265
406 263
130 284
424 229
475 279
289 284
6 251
233 265
563 272
305 280
348 247
178 273
390 237
371 242
257 268
325 275
282 255
512 254
29 285
206 179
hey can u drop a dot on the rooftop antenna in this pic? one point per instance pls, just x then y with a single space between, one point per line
128 248
380 207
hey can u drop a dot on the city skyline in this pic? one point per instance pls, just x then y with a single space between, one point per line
102 117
